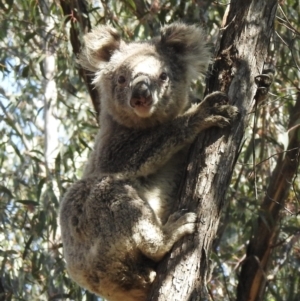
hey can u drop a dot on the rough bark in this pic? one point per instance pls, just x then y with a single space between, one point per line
253 279
239 58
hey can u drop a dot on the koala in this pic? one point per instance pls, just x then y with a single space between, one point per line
117 221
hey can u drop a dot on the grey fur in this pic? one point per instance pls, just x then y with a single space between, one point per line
116 220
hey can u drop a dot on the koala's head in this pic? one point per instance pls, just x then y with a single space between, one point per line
145 83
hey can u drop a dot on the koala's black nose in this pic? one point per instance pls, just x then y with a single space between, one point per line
141 92
141 89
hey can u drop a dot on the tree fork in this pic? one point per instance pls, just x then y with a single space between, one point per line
240 55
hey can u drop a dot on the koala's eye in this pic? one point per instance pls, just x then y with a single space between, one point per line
121 79
163 76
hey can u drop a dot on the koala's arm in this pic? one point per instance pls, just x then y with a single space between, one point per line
142 152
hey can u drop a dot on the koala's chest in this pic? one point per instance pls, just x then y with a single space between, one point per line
160 189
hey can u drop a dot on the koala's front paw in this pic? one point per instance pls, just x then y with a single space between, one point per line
219 112
216 98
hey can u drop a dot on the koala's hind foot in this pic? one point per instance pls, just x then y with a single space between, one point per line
180 224
176 227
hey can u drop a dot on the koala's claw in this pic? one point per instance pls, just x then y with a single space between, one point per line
224 123
185 224
181 213
180 220
189 217
218 105
216 98
189 222
228 111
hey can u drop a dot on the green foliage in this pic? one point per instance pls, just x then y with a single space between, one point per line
32 265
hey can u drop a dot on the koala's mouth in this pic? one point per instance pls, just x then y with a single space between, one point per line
142 106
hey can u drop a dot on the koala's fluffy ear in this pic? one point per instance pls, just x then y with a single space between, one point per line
188 42
99 45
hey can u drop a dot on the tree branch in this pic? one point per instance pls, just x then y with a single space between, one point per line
239 58
76 12
252 280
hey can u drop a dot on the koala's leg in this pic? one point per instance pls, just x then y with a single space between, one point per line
133 220
155 240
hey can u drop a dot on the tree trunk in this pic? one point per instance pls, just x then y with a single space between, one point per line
239 58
